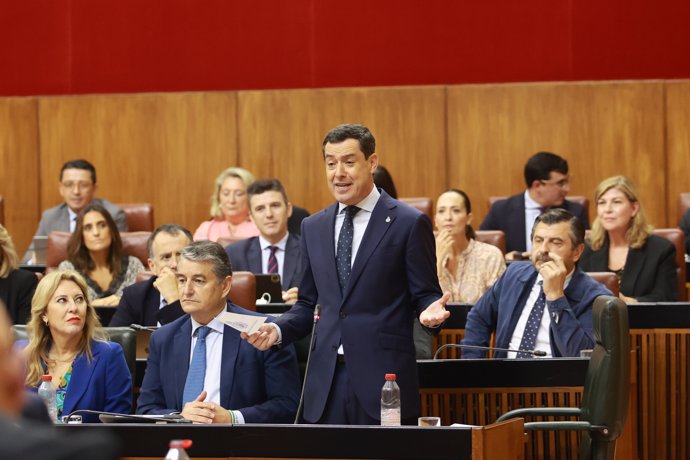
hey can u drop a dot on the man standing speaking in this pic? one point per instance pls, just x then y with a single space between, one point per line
370 264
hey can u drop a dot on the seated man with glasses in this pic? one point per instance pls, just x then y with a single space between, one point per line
77 188
548 183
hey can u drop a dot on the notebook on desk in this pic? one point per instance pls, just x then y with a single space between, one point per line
268 288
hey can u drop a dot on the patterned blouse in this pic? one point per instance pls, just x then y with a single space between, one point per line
130 268
61 391
478 268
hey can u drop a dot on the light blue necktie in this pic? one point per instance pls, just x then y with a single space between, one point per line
194 384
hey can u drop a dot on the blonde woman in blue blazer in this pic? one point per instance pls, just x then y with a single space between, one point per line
67 342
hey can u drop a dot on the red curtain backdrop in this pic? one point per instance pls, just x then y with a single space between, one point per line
86 46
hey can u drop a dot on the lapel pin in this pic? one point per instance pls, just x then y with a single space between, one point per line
388 219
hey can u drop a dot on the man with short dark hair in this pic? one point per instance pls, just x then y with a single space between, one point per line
370 265
548 183
200 367
77 188
275 250
156 301
544 305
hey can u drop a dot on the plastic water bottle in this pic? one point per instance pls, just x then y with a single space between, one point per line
47 394
390 402
177 449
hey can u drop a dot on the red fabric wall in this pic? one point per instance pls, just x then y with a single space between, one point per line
87 46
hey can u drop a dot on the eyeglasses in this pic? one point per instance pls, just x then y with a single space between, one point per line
563 183
79 185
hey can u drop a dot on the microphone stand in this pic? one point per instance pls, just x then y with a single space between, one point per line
317 311
540 353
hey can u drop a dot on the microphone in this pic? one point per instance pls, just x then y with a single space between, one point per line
317 311
115 417
139 327
478 347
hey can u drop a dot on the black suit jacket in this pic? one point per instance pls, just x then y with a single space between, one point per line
295 220
140 304
245 255
509 216
16 292
650 271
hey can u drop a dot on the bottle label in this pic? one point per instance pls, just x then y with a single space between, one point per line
390 417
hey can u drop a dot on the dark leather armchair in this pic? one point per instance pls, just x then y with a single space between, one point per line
494 237
127 338
139 216
423 203
243 290
605 398
608 279
133 244
677 237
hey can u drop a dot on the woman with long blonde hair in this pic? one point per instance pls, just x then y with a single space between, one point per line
67 342
621 241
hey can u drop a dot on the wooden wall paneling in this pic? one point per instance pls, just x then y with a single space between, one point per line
19 169
602 129
165 149
678 144
280 134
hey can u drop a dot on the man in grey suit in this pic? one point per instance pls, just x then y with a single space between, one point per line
275 250
77 188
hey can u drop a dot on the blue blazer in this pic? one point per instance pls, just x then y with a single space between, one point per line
104 384
509 216
140 304
245 255
263 386
393 280
500 307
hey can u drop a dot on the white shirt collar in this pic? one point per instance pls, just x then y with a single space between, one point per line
264 243
367 204
530 203
215 324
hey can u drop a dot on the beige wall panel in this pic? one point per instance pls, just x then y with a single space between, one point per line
678 144
280 134
165 149
602 129
19 168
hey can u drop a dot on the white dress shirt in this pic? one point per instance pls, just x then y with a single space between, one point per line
543 337
359 222
214 358
532 211
72 219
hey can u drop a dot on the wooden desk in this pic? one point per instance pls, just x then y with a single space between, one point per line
501 441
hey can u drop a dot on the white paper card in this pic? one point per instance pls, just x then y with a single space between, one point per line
243 323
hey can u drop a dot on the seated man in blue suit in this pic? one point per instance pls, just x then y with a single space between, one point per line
199 367
274 250
156 301
544 305
548 183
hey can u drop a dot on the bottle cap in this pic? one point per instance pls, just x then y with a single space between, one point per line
390 376
47 378
183 443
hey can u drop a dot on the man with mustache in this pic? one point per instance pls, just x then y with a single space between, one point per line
544 305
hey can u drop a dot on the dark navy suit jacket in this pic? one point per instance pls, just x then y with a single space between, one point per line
245 255
393 280
509 216
500 307
104 384
140 304
263 386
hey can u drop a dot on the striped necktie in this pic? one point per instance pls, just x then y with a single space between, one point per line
273 260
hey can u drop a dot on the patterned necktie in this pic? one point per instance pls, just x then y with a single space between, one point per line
529 336
343 258
194 384
273 260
